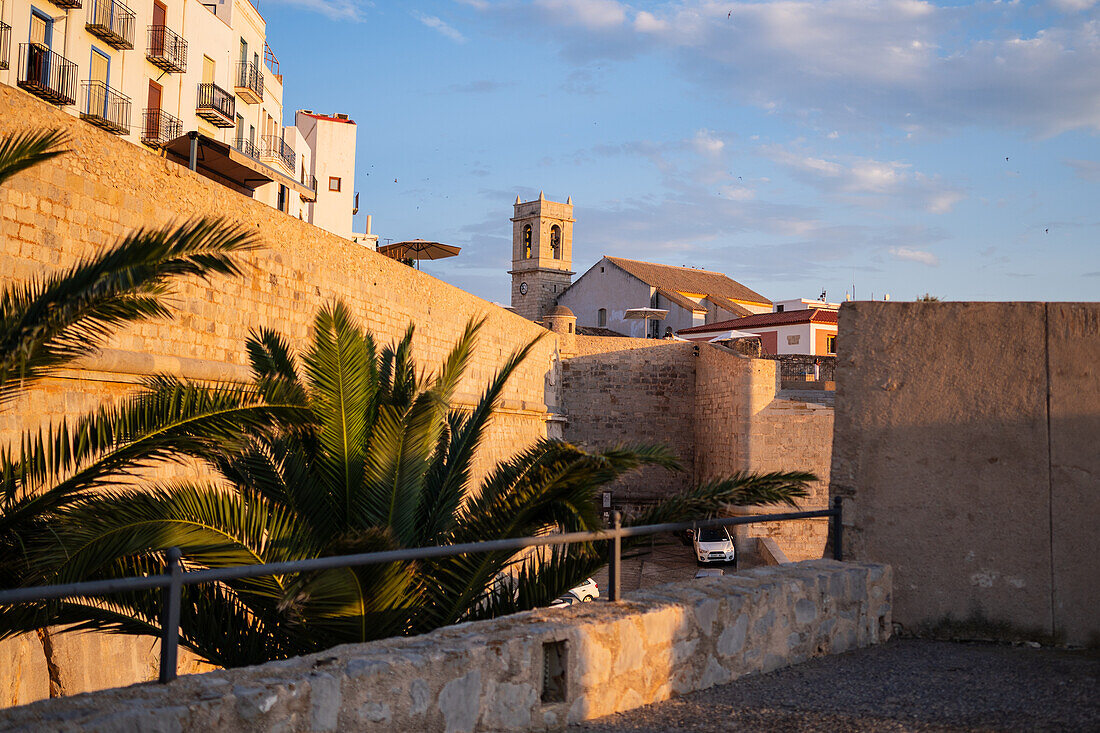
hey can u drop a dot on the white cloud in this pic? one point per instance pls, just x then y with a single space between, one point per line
440 25
591 14
1086 170
909 64
705 143
868 181
915 255
1073 6
334 9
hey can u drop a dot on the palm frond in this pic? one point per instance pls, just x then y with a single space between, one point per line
707 500
55 319
24 150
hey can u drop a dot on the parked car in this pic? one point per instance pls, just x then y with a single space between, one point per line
586 592
714 545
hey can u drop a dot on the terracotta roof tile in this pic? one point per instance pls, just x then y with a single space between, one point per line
728 305
688 280
786 318
685 303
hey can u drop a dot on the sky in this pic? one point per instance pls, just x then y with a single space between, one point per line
863 147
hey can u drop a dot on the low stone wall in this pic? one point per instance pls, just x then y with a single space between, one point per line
535 670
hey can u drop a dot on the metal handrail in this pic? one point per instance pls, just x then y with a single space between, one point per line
47 74
175 577
250 77
246 146
106 107
113 21
166 49
212 96
5 44
276 147
160 127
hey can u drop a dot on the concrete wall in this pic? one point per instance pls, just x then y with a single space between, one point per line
489 675
970 463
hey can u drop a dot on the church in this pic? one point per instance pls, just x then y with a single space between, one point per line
542 278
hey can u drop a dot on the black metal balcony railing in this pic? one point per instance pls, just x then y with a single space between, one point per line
105 107
250 82
5 45
247 147
46 74
276 148
215 105
158 128
112 21
67 4
166 49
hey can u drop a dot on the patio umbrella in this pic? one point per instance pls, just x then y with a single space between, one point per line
644 314
419 249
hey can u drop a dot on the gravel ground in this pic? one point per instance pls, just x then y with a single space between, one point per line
904 685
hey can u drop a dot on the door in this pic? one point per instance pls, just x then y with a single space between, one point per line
160 20
38 52
153 127
98 74
207 70
239 143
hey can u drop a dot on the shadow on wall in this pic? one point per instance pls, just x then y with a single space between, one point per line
970 462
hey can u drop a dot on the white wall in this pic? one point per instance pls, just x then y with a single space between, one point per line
612 289
332 143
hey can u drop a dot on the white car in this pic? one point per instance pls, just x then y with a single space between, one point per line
714 544
584 593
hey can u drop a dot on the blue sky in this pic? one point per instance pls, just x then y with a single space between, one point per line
899 146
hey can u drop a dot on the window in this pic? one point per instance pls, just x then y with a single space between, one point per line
555 241
779 309
793 340
207 70
570 328
282 199
830 344
601 317
527 242
333 183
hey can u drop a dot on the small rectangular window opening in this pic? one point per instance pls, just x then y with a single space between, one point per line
333 183
554 662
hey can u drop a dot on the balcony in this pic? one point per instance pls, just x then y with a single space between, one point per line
5 45
250 82
112 21
67 4
215 105
159 128
46 74
276 149
166 49
105 107
247 147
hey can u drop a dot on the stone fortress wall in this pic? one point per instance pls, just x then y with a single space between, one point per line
104 188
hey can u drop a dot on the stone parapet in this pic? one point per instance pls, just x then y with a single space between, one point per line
532 671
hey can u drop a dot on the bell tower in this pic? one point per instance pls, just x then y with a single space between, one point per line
542 254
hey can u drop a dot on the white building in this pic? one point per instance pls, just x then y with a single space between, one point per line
195 80
332 140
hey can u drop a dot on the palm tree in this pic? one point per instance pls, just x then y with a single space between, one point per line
60 317
382 462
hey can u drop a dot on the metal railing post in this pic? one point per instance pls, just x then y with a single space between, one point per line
614 565
838 529
170 617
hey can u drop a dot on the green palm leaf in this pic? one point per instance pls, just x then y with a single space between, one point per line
24 150
55 319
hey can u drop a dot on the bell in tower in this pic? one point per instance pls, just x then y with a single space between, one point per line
542 254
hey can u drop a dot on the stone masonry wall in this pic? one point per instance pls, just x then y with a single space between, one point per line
740 425
633 392
489 675
979 485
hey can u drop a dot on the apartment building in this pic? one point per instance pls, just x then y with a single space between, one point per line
194 80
